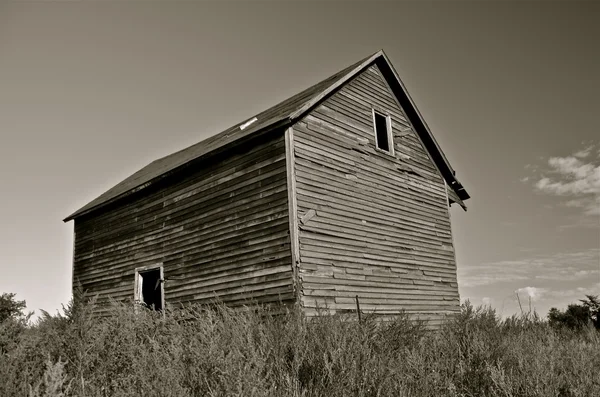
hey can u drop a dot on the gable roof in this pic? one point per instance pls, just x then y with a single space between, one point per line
282 114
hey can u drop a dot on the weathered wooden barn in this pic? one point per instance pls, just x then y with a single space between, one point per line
337 192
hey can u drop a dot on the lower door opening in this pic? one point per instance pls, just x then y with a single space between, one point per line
149 287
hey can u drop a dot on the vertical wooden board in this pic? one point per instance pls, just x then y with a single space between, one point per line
292 209
220 229
366 203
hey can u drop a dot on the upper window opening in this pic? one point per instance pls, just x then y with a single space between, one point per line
383 131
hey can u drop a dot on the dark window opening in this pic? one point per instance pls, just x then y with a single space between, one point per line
382 132
151 289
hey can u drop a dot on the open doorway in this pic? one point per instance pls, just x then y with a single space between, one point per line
149 289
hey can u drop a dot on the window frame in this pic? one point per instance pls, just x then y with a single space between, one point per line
136 286
388 125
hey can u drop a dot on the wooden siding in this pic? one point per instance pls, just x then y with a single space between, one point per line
370 224
220 229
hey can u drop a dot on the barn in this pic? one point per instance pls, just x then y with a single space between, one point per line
338 192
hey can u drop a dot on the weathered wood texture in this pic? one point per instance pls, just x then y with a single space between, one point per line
222 228
370 224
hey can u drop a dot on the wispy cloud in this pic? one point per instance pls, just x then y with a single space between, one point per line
574 294
575 177
580 222
569 273
583 153
533 282
569 266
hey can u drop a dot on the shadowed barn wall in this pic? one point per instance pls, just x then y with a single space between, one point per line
218 228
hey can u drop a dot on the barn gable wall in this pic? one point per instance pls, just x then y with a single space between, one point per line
222 226
370 224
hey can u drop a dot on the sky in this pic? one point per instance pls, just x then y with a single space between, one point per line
90 92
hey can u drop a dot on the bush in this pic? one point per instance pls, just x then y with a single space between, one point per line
219 351
577 316
10 308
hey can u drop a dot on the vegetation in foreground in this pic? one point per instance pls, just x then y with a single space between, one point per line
221 352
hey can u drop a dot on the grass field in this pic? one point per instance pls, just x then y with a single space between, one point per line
221 352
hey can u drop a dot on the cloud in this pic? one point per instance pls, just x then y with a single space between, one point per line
534 293
540 281
590 205
569 273
579 222
488 279
583 153
574 294
562 266
578 203
573 176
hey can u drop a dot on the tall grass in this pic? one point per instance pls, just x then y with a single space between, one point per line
218 351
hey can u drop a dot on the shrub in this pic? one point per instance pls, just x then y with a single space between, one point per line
10 308
577 316
220 351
